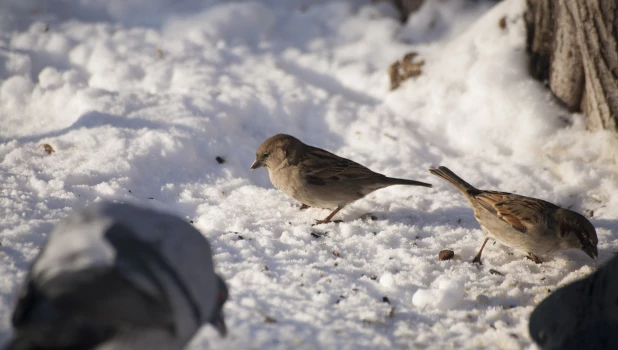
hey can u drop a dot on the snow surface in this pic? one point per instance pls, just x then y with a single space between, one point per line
138 98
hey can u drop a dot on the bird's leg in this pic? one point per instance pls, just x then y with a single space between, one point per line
327 219
534 258
304 206
477 257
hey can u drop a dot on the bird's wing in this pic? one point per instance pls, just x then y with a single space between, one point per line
319 167
518 211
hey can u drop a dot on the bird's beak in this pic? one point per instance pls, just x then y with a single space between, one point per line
219 324
256 164
591 251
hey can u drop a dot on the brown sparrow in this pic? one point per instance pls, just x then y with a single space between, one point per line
318 178
529 224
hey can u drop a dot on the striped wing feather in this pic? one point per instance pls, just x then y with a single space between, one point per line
319 166
518 211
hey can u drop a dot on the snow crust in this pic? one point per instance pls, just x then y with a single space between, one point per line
138 99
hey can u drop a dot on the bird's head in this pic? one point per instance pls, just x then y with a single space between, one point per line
577 232
276 150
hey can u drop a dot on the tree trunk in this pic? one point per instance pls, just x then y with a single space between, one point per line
406 7
572 46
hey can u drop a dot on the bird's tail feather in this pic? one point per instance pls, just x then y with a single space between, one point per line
446 174
395 181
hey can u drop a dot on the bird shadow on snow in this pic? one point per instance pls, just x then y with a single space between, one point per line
453 216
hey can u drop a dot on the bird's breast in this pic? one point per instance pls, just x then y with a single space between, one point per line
536 239
290 182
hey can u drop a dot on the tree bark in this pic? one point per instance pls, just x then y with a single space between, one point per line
406 7
573 47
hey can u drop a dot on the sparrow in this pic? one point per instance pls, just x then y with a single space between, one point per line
533 225
581 315
318 178
117 276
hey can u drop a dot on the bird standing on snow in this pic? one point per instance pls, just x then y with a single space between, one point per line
582 315
529 224
318 178
115 276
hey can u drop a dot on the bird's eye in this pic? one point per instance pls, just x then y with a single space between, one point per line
265 155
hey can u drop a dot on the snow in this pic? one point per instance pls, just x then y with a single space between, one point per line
138 98
447 295
388 280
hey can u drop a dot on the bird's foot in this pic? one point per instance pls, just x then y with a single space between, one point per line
477 260
534 258
304 206
319 222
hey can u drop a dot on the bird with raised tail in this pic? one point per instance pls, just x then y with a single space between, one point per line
532 225
318 178
117 276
